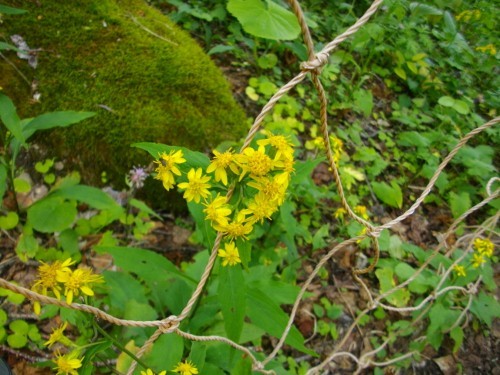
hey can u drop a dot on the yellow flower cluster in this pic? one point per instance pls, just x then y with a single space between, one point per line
484 249
59 277
468 15
264 172
66 364
183 368
489 48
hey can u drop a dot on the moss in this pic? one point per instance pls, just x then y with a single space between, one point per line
95 54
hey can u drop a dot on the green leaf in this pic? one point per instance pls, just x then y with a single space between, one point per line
68 239
9 10
265 19
419 9
363 100
3 317
146 264
51 214
9 117
389 194
461 107
319 237
166 352
446 101
138 311
441 319
457 334
232 299
459 203
267 61
94 197
19 326
43 167
485 308
219 48
418 285
21 185
17 341
144 207
198 354
27 247
194 159
386 278
400 72
53 120
9 221
267 314
6 46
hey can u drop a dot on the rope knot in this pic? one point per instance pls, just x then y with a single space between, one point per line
170 324
320 60
472 288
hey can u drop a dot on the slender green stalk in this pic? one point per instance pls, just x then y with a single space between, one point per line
119 345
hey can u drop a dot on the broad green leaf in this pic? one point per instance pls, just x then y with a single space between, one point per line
21 185
265 19
363 100
3 317
319 237
138 311
34 333
404 271
304 169
19 326
265 313
457 334
219 48
17 341
419 9
124 361
90 353
197 354
194 159
441 319
9 117
166 352
54 120
9 221
43 167
52 214
267 61
9 10
232 299
27 247
486 308
389 194
146 264
400 72
461 107
459 203
446 101
144 207
386 278
94 197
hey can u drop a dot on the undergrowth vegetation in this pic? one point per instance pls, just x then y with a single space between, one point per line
401 93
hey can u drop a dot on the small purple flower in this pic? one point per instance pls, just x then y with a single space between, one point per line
136 177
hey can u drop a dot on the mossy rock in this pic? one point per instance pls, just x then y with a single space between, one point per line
101 56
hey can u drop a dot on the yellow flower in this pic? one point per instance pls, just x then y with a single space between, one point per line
217 210
284 148
78 281
340 213
186 368
239 227
260 208
484 247
477 260
167 167
219 164
460 270
361 211
273 188
230 255
150 372
57 335
196 187
489 48
337 148
256 162
47 276
67 364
